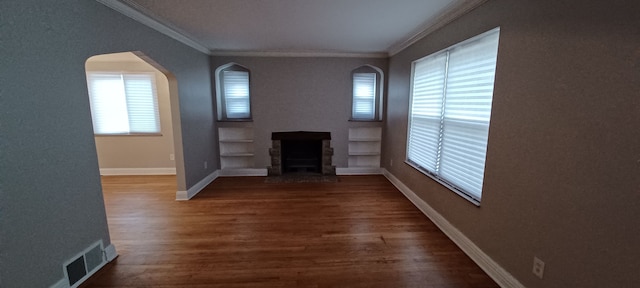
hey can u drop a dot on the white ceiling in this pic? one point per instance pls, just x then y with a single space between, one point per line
297 26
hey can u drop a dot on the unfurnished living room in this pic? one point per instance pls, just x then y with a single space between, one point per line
300 143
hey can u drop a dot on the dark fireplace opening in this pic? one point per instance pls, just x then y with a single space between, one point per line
301 156
301 152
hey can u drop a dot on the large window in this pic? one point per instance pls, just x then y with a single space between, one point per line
233 97
451 97
367 94
123 103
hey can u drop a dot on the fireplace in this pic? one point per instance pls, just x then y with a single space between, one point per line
301 152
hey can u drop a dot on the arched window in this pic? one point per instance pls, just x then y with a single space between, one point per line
233 97
366 103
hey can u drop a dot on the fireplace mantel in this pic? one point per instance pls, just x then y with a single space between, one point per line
301 135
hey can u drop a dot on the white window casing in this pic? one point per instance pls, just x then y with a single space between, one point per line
233 95
451 96
364 96
367 94
123 103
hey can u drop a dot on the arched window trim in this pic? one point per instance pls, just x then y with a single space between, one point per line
221 97
379 90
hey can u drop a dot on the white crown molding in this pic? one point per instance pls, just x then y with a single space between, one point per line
299 54
144 16
492 268
451 13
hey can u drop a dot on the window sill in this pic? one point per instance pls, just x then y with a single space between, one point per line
460 193
235 120
365 120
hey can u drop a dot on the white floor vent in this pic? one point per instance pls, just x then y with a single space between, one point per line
79 268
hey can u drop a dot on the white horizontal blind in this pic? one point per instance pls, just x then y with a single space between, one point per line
426 111
452 146
236 94
123 103
142 103
364 96
108 104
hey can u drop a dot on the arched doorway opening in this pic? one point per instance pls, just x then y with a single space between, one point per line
136 116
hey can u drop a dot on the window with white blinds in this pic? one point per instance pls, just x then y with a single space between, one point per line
451 97
233 97
364 96
366 104
123 103
236 94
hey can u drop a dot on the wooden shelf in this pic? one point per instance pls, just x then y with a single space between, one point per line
237 141
364 139
364 147
236 147
363 153
237 155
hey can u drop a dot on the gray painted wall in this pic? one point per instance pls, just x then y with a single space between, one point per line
51 204
563 163
300 94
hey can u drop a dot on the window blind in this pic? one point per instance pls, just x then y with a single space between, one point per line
123 103
364 96
236 94
452 93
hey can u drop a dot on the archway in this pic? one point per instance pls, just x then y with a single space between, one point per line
135 152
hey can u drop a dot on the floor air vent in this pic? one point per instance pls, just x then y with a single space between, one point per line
94 257
85 264
76 270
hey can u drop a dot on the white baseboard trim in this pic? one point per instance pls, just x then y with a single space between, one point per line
110 252
232 172
358 171
493 269
63 283
195 189
137 171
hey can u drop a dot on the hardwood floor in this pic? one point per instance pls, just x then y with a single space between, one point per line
242 232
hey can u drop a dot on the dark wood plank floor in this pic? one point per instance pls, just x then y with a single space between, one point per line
242 232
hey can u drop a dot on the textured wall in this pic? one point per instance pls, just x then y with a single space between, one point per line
562 172
301 94
51 204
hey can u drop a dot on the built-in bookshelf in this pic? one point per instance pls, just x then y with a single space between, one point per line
364 147
236 147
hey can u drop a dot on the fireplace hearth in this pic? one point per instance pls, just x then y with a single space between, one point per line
301 152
